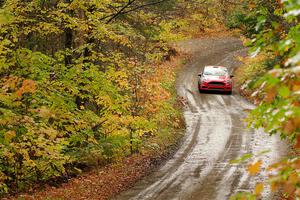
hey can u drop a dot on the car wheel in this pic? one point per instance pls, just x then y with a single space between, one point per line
199 89
229 93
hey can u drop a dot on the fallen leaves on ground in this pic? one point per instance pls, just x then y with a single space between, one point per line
98 184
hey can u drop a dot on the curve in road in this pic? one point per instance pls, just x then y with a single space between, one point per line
216 133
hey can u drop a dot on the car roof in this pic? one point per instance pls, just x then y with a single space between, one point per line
211 66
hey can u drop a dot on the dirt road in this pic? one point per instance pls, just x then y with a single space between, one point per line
215 134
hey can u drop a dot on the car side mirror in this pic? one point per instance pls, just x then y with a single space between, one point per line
231 76
200 74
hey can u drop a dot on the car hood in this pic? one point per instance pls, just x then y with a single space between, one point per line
216 78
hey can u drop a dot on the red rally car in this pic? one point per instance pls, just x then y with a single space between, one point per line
215 78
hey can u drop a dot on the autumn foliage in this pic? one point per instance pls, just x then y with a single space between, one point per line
84 83
271 79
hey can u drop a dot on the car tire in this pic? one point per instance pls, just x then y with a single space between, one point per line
229 93
200 91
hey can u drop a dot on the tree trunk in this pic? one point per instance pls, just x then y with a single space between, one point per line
68 40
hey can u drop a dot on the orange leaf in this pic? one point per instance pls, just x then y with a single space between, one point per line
289 189
296 122
297 145
289 127
296 164
296 86
293 178
296 104
259 188
28 86
274 187
254 169
251 4
271 94
297 192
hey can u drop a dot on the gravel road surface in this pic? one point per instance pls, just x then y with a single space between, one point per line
216 134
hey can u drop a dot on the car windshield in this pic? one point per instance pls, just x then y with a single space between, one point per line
215 71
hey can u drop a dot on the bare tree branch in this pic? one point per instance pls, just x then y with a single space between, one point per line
120 11
124 11
142 6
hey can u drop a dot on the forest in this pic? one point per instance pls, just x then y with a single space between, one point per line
84 83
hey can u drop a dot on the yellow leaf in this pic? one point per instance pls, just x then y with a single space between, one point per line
293 178
259 188
50 132
9 135
286 49
44 112
3 177
254 169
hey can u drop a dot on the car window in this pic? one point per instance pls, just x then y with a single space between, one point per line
215 71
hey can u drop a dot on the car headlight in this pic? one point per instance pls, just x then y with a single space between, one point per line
204 80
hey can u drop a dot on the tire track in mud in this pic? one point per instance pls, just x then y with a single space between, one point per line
215 135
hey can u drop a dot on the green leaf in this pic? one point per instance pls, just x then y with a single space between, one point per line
284 91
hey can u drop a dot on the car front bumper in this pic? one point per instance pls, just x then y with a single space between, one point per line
206 86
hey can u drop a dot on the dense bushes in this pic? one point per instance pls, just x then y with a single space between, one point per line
80 87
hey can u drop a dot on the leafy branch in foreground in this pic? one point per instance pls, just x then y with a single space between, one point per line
273 78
